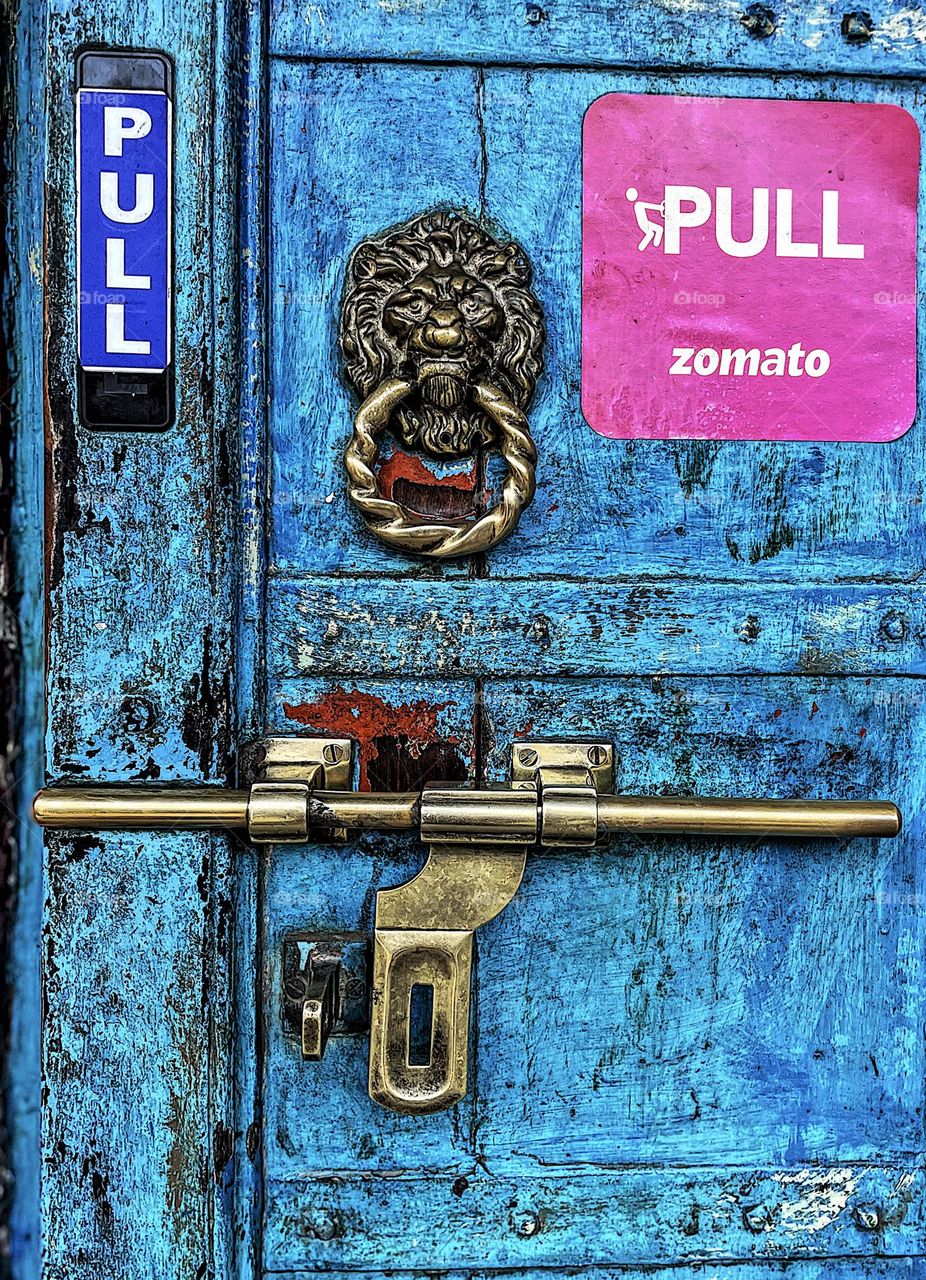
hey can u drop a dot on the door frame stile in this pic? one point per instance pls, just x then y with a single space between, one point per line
22 308
170 512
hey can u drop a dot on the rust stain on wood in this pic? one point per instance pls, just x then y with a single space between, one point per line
401 746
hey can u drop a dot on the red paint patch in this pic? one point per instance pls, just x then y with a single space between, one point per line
369 720
406 467
406 479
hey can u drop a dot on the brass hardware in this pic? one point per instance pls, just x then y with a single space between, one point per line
761 819
462 815
278 812
527 757
281 805
441 337
305 964
478 838
424 929
284 773
451 815
129 808
320 1007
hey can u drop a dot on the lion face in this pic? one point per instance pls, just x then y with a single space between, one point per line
440 302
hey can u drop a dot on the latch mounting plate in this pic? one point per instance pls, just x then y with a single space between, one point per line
529 757
323 763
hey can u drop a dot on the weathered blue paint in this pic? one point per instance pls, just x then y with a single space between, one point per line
675 34
853 1269
680 1048
682 1051
139 1137
22 307
552 626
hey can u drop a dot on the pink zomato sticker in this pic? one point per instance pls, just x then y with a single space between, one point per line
748 269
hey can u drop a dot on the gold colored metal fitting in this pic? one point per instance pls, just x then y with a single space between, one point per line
435 959
479 838
278 813
569 810
463 815
447 387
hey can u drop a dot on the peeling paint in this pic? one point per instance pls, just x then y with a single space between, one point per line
408 481
822 1195
397 743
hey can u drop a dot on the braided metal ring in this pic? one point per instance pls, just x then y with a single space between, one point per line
394 524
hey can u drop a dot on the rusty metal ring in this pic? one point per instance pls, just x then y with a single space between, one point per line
442 539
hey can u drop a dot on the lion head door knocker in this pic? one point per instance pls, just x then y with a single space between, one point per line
441 338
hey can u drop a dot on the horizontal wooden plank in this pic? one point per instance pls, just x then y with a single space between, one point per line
673 33
478 1219
366 627
795 1269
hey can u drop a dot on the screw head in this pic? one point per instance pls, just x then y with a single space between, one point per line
332 753
530 1225
757 1218
527 757
138 714
597 755
893 626
857 26
295 987
325 1227
759 21
867 1217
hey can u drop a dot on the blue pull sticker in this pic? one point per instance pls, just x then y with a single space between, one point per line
124 230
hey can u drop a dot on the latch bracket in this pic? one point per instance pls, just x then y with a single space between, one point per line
424 929
283 773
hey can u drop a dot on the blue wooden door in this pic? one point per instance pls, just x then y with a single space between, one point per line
684 1052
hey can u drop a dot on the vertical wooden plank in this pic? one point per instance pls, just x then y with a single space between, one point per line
244 1046
9 640
355 149
138 1131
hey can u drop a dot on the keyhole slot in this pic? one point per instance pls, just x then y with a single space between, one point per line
420 1024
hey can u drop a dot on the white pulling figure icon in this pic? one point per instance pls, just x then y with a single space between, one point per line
652 231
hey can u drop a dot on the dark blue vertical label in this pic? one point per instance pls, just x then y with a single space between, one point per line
123 230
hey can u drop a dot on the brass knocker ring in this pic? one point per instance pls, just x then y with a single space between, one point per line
394 524
442 341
